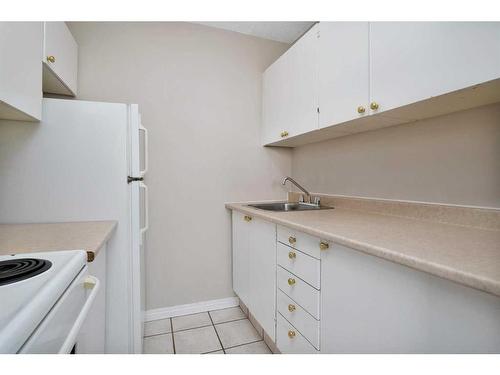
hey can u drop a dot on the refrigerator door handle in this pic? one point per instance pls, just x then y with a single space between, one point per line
146 151
146 209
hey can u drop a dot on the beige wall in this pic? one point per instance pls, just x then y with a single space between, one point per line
199 92
451 159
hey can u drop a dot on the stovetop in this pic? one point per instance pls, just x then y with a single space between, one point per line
30 285
18 269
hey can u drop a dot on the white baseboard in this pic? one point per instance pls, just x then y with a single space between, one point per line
191 308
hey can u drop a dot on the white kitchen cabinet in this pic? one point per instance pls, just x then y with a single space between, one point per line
254 267
413 61
60 60
290 91
21 70
371 305
344 64
364 76
241 255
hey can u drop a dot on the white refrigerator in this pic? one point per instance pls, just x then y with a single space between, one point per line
86 161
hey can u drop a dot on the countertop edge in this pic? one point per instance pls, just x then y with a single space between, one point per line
89 236
105 239
440 270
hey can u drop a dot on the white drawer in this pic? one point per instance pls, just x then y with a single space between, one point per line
304 266
300 291
301 241
299 318
289 340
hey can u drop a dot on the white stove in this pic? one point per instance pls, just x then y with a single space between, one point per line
44 300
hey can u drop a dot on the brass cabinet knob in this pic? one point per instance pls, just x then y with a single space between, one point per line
374 106
51 59
284 134
361 109
324 245
291 281
292 255
292 240
291 334
247 218
291 308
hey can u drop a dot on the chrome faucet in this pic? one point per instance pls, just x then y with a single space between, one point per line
308 195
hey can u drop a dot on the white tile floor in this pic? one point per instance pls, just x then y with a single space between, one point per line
226 331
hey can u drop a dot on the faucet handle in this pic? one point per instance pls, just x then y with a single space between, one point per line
316 200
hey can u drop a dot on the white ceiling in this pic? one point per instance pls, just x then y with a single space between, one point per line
286 32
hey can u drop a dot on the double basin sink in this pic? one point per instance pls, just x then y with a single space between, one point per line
285 206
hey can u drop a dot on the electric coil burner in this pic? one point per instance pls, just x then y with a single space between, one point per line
44 300
15 270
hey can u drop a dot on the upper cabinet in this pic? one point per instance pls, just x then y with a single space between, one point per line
60 60
414 61
35 58
344 64
363 76
290 91
21 70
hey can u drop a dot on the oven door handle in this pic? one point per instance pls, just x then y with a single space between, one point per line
90 282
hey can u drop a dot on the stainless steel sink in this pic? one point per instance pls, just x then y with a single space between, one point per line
285 206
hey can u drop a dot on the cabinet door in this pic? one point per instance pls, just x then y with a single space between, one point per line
343 71
241 246
412 61
290 95
21 70
60 60
262 262
371 305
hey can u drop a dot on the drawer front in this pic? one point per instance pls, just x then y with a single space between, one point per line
300 291
304 266
300 241
289 340
299 318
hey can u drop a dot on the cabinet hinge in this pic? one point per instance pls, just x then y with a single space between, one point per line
317 109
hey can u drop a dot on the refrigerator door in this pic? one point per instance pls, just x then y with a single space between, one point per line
73 166
137 257
138 160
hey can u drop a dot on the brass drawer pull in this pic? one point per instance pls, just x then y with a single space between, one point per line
51 59
291 308
292 255
291 334
291 281
323 245
284 134
248 218
361 109
292 240
374 106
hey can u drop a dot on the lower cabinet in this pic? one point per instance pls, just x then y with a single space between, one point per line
299 287
323 297
371 305
254 268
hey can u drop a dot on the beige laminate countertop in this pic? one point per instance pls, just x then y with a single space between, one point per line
466 255
86 235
